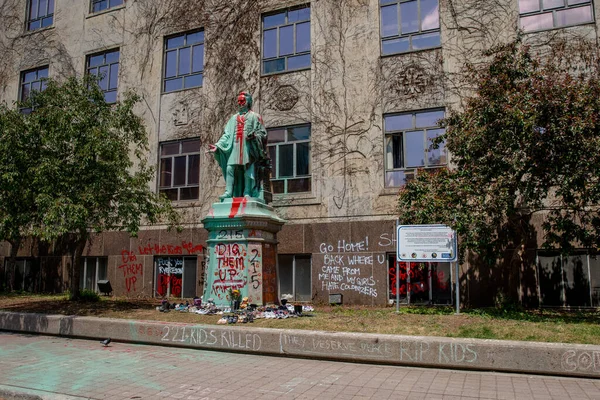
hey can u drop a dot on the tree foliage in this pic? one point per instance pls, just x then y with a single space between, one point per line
526 142
18 157
82 164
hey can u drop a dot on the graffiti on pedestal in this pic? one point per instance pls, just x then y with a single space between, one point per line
255 275
230 268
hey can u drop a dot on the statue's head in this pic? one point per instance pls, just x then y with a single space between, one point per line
244 101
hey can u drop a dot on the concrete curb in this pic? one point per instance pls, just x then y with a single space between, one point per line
18 393
422 351
11 394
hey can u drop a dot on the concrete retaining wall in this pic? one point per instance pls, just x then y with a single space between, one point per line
423 351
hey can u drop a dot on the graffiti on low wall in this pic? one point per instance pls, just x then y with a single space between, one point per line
581 361
575 360
200 336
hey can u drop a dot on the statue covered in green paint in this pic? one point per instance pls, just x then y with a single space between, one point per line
242 152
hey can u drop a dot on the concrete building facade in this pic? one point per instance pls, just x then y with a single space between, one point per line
350 92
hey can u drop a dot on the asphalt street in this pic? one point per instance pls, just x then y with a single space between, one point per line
62 368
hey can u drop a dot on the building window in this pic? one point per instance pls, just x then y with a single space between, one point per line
25 276
419 282
33 80
184 61
569 281
100 5
408 140
286 40
409 25
180 169
289 149
295 277
538 15
106 67
92 270
175 277
40 14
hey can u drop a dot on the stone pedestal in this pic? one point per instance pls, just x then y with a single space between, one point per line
242 251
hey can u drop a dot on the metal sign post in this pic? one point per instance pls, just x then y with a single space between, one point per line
457 288
397 287
397 276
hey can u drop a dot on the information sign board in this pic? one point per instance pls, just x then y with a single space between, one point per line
426 243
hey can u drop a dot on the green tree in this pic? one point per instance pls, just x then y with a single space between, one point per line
19 151
525 142
89 172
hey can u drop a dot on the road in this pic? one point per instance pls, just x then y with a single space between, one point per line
53 367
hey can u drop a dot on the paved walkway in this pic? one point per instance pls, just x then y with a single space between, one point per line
53 367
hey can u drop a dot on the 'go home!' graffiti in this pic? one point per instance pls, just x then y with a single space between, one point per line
347 266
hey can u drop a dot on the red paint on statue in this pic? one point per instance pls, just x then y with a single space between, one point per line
235 206
239 137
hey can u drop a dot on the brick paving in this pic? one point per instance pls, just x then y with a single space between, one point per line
55 367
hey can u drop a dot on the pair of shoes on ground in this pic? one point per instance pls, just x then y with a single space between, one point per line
229 319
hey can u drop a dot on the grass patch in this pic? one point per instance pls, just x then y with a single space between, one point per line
509 324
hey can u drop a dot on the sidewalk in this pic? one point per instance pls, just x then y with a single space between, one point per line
420 351
55 368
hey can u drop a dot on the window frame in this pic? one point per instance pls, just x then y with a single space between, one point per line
264 60
165 79
410 35
104 53
388 135
435 272
41 81
553 11
168 293
29 264
96 265
295 175
294 257
594 291
187 185
108 7
49 14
